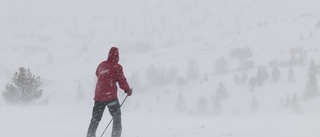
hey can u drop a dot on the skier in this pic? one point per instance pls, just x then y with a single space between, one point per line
109 73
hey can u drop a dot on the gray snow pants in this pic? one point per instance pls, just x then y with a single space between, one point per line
97 112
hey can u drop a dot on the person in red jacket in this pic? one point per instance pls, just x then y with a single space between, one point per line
109 73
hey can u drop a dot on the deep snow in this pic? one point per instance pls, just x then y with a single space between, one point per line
60 121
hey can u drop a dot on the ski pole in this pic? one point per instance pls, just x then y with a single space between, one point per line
112 117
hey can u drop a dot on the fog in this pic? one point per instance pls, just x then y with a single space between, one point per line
206 68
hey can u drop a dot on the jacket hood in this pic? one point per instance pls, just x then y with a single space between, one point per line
113 55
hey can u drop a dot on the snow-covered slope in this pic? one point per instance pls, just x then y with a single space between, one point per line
159 23
64 41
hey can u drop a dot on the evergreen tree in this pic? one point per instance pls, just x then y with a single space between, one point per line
171 75
276 75
262 75
245 64
313 69
181 81
241 53
180 106
202 105
217 107
221 65
205 77
242 79
288 102
25 87
295 105
152 75
193 70
221 92
291 77
159 76
311 89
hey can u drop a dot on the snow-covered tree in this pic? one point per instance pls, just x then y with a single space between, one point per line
292 104
245 64
152 75
275 74
313 69
181 81
217 107
295 105
221 92
220 95
202 105
221 65
262 76
205 77
311 89
157 76
298 56
291 77
171 74
193 71
25 87
241 53
287 102
180 106
237 79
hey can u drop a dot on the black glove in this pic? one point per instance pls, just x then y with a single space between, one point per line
129 92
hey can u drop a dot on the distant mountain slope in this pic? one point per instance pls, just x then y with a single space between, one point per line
166 48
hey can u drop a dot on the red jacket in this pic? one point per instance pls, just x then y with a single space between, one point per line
110 72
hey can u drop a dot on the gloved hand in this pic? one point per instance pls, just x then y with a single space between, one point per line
129 92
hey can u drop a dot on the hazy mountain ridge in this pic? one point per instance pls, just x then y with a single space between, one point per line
160 23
